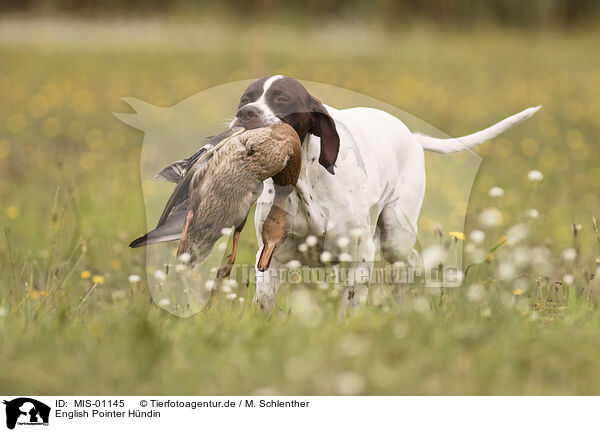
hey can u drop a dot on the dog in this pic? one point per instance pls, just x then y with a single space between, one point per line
363 172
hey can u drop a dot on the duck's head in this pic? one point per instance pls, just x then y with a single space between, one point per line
276 226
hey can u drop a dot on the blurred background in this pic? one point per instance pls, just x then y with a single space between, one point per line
546 13
71 196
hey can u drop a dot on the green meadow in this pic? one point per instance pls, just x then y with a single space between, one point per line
526 319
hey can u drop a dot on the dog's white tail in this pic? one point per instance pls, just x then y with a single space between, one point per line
453 145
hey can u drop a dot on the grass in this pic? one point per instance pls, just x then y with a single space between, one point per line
526 320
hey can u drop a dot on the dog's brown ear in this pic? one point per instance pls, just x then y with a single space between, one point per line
324 127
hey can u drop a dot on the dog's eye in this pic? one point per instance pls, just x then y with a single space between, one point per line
281 99
245 100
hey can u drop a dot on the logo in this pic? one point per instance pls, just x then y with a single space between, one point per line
26 411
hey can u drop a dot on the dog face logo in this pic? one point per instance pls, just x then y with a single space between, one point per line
26 411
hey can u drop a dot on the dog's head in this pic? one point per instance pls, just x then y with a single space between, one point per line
272 100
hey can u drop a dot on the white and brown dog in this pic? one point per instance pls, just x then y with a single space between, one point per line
363 173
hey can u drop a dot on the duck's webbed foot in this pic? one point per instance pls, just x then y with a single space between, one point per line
225 270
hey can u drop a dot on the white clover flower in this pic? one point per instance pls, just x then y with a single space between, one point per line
323 286
476 292
490 217
343 242
355 232
478 255
345 257
517 233
231 296
496 192
540 255
349 383
433 256
225 288
3 311
330 225
241 299
160 275
535 176
134 278
226 231
521 256
209 284
311 240
568 279
532 213
353 345
294 264
232 283
569 254
477 236
303 247
469 248
185 258
164 302
179 268
421 305
325 257
506 270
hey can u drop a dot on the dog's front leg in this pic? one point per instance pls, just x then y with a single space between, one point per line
356 280
267 284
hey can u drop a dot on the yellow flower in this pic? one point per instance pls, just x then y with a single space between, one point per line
457 235
97 279
85 274
12 212
34 295
518 291
43 293
116 264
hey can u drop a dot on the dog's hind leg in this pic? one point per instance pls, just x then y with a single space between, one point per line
397 248
396 241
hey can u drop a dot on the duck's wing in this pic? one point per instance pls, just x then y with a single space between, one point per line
171 221
175 171
168 231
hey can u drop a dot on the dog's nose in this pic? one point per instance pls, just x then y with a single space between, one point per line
248 113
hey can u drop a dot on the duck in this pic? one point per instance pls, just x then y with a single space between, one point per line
217 187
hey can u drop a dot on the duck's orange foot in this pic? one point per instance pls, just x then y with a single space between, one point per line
224 271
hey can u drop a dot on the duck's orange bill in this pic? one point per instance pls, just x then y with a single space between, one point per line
264 261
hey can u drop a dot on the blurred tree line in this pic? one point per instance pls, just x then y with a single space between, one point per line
508 12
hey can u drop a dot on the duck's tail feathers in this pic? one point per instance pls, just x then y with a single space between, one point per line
169 231
453 145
